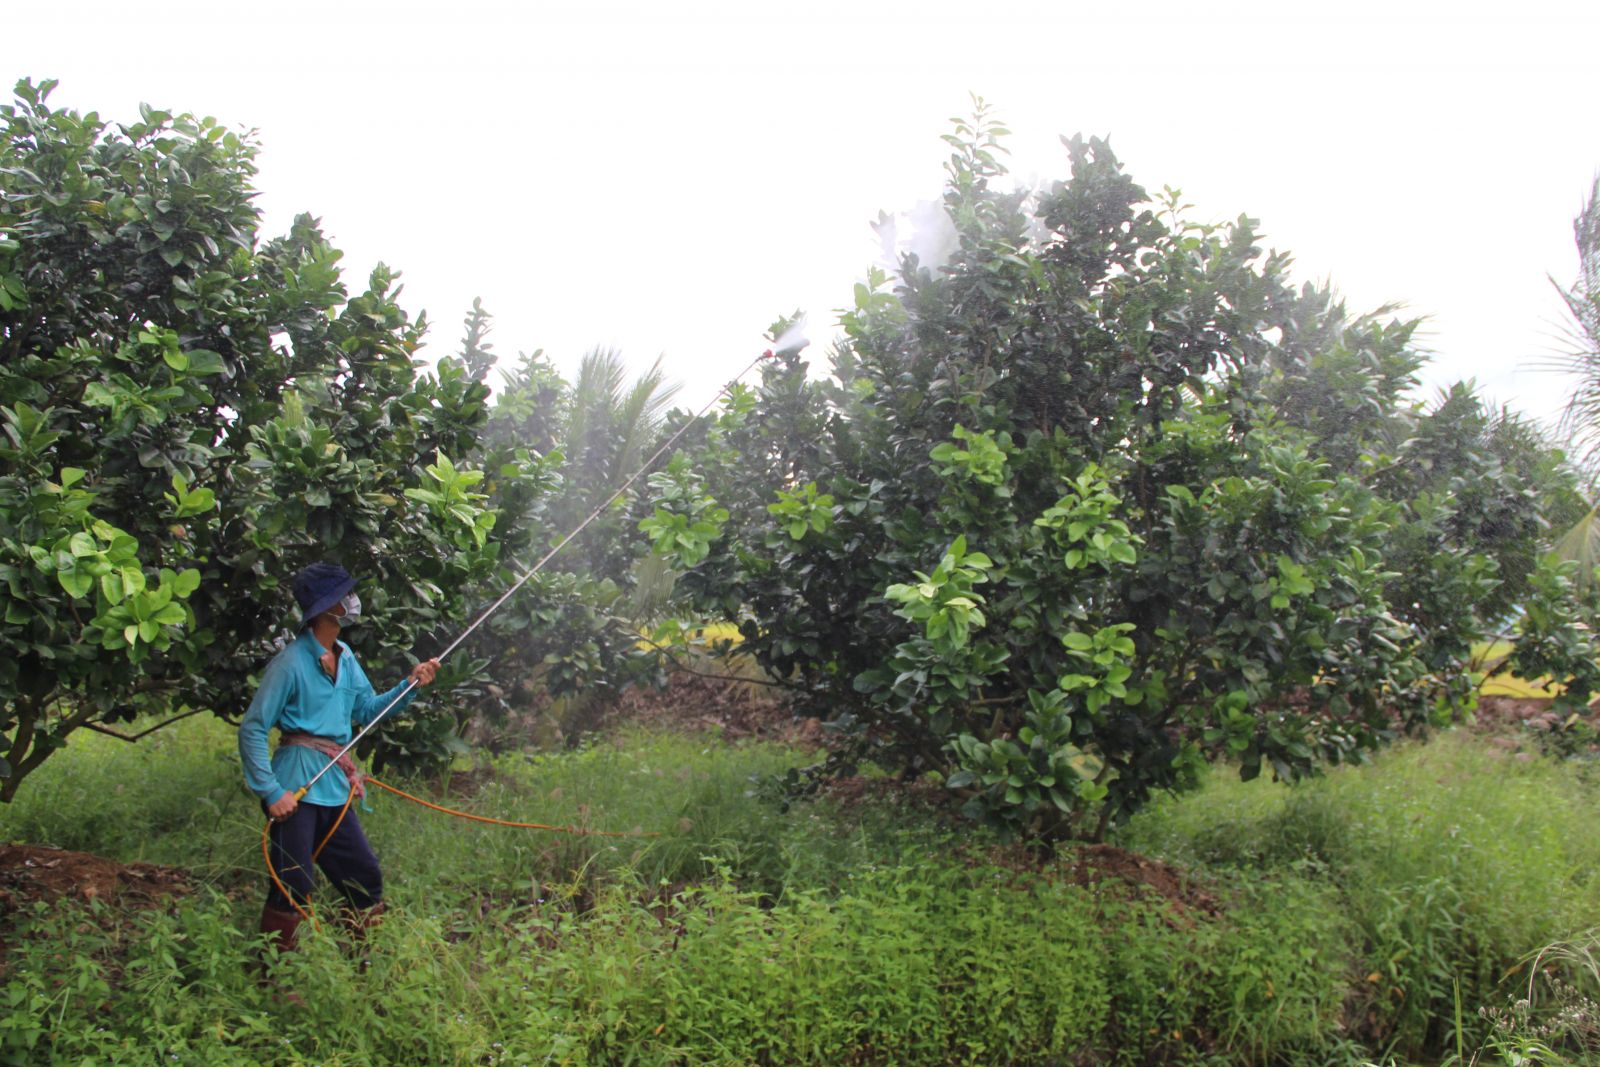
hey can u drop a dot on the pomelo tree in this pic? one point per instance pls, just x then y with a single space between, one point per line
1102 497
189 414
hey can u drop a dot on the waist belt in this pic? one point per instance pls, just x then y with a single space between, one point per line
330 748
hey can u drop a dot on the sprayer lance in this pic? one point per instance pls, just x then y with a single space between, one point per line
300 793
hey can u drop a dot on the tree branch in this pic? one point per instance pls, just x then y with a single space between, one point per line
26 751
120 736
684 668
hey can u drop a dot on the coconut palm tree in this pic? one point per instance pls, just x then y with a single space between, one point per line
602 425
1582 361
1581 420
611 426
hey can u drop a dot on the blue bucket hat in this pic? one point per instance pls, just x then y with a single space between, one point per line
318 588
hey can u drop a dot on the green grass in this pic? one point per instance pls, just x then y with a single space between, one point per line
746 934
179 799
1453 860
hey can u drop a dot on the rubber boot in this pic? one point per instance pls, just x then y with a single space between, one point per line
283 926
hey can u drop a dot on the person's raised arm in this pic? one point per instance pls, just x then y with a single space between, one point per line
370 704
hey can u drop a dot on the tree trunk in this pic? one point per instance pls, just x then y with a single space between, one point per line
28 748
26 709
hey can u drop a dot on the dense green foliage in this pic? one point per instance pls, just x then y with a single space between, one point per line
190 414
1096 503
1101 498
827 934
189 417
554 452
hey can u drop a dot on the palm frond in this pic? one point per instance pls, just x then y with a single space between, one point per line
1581 544
595 396
1581 360
653 580
638 419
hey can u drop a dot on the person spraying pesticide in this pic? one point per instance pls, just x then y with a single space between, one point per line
314 691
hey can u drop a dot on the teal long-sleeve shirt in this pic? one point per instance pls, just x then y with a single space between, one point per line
297 695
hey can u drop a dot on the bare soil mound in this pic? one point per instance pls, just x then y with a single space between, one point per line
1496 713
1142 877
39 872
735 707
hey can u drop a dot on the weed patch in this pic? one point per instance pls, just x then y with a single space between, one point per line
1328 923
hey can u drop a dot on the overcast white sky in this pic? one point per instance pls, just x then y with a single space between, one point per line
667 178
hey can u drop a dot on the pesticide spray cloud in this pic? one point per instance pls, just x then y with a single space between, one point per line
925 232
791 340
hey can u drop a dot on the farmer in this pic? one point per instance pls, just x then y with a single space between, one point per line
312 692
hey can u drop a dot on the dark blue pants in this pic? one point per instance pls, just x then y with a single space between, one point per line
347 860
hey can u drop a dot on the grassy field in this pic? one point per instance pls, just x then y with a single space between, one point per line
1338 922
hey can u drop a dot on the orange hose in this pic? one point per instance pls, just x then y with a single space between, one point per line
307 913
272 872
266 854
348 797
576 830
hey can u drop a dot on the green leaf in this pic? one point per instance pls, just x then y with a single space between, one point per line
132 581
203 361
77 583
170 615
159 596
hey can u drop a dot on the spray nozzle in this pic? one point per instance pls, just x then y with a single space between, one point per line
768 354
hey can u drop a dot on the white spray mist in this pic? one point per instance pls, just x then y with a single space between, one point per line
793 339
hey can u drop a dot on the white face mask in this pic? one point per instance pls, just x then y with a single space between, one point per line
352 610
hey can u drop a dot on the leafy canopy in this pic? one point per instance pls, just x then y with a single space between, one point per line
1099 498
191 414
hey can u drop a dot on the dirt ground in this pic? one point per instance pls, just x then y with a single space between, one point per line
1141 877
40 872
1497 713
735 708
